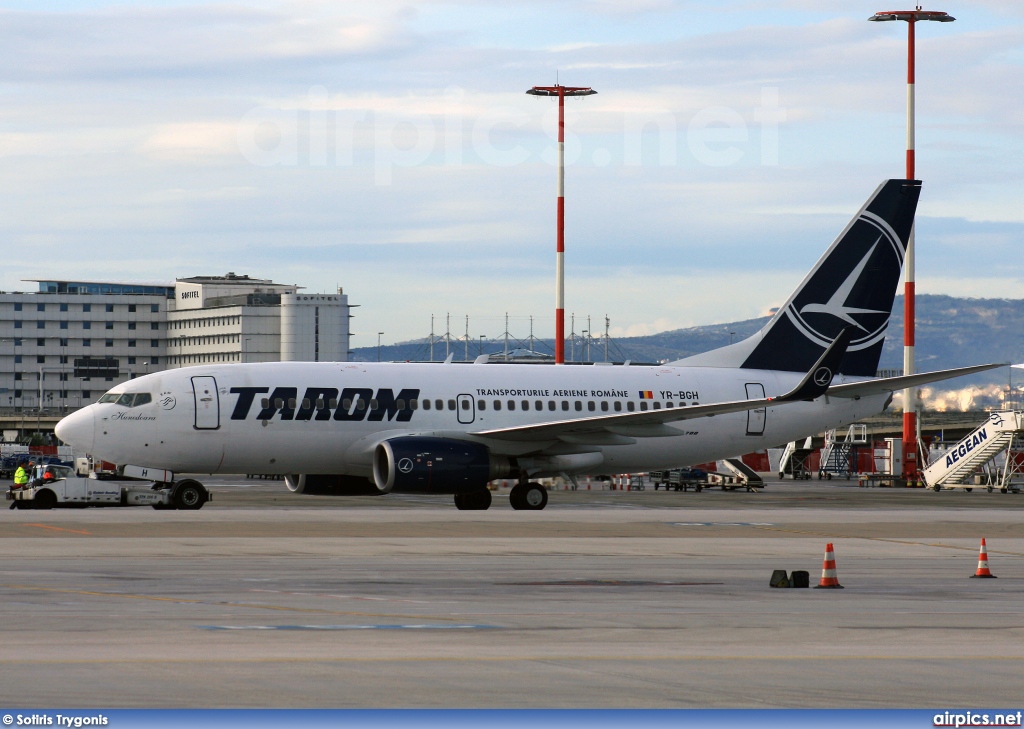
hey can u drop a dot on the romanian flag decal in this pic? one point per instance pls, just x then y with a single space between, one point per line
646 394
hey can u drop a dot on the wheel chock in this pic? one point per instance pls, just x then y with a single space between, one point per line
800 578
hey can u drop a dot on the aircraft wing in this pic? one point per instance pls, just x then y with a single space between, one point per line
623 427
890 384
649 424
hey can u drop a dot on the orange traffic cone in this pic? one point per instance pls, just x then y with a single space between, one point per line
983 570
828 571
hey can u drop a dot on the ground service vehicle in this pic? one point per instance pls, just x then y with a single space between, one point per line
67 488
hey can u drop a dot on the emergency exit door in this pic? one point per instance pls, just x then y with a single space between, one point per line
756 418
467 409
207 403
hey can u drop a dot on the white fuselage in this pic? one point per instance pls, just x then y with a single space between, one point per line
230 419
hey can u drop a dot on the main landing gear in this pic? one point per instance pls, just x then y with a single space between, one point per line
525 496
528 497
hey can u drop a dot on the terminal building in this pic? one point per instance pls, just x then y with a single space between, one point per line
64 345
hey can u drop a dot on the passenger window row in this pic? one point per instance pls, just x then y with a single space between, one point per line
346 404
142 398
360 404
591 406
552 405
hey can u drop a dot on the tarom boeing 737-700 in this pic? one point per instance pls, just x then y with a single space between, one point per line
350 428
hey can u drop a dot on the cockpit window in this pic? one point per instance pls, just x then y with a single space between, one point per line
128 399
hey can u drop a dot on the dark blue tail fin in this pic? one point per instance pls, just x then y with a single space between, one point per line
852 285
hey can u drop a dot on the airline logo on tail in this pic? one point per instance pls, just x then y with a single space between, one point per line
822 308
836 306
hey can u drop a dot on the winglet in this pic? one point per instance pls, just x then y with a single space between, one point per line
816 382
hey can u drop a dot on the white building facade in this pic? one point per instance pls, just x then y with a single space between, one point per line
66 344
314 327
240 319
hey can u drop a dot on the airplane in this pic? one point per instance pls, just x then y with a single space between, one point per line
353 428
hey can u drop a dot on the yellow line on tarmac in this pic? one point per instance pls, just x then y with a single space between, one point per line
222 603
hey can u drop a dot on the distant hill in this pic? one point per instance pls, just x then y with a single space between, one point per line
951 332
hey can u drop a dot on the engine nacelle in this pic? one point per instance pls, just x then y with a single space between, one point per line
317 484
425 465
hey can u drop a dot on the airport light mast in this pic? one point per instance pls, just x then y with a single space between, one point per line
910 463
561 92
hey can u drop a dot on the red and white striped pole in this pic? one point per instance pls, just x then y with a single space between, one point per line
560 237
910 462
909 394
561 92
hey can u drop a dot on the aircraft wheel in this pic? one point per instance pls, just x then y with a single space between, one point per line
528 497
474 501
189 495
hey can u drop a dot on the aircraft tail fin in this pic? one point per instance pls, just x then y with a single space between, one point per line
852 285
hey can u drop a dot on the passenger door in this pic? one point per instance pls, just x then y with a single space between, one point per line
466 409
756 418
207 403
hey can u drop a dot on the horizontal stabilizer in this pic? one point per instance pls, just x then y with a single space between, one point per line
891 384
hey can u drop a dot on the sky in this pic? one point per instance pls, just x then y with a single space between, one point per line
388 148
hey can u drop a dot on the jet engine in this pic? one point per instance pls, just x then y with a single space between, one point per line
425 465
317 484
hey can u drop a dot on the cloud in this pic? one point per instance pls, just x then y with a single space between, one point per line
192 142
138 42
120 132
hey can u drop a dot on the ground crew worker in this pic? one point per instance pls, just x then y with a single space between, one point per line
21 475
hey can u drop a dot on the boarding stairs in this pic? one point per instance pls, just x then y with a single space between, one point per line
1013 465
745 475
837 455
956 466
794 460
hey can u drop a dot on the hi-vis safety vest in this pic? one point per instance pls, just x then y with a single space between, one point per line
20 477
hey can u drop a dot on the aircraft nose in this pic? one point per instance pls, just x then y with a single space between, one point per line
78 429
